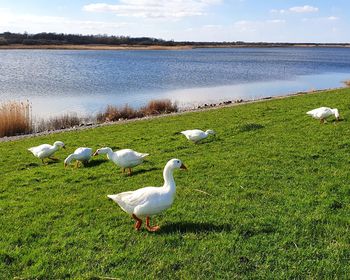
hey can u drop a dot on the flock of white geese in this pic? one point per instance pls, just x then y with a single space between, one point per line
148 201
141 203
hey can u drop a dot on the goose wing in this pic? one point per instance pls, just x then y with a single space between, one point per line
129 154
320 112
129 200
194 134
83 153
38 150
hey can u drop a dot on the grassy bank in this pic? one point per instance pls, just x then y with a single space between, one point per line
278 204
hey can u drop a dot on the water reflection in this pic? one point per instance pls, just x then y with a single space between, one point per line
257 90
192 97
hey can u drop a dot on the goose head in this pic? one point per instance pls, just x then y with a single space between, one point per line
336 114
176 164
209 131
103 151
59 144
68 160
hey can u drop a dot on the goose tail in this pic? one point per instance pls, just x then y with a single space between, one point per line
113 197
118 198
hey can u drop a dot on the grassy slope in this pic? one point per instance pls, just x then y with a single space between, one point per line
279 208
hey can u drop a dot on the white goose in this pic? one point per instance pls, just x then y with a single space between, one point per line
195 135
323 112
45 150
150 201
125 158
81 155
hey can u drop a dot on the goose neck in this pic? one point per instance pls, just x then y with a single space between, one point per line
69 158
109 153
169 181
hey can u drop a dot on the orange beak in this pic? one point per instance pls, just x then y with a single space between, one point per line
183 167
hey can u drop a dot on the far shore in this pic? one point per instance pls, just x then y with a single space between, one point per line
93 47
159 47
206 107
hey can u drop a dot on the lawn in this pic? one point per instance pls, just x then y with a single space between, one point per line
277 202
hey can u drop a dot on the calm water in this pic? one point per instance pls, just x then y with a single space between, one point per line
58 81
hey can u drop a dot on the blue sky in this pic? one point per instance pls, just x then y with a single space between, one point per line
194 20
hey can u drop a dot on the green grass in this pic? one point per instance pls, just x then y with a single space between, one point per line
279 205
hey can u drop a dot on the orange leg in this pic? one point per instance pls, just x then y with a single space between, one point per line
138 222
149 227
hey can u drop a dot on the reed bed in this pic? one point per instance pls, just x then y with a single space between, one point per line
59 122
114 113
157 107
154 107
15 118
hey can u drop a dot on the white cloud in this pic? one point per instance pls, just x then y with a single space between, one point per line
212 26
276 21
154 9
251 26
245 26
278 11
319 19
298 9
37 23
303 9
332 18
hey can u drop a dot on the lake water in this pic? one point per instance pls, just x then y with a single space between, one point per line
59 81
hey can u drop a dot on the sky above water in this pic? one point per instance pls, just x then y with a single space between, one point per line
185 20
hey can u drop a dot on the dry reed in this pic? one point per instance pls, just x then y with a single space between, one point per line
59 122
157 107
15 118
154 107
113 113
347 83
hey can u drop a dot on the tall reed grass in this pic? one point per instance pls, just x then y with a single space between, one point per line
59 122
114 113
15 118
157 107
154 107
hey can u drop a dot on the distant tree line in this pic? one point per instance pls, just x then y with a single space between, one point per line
8 38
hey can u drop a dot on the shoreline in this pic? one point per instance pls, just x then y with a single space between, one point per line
159 47
90 47
206 107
